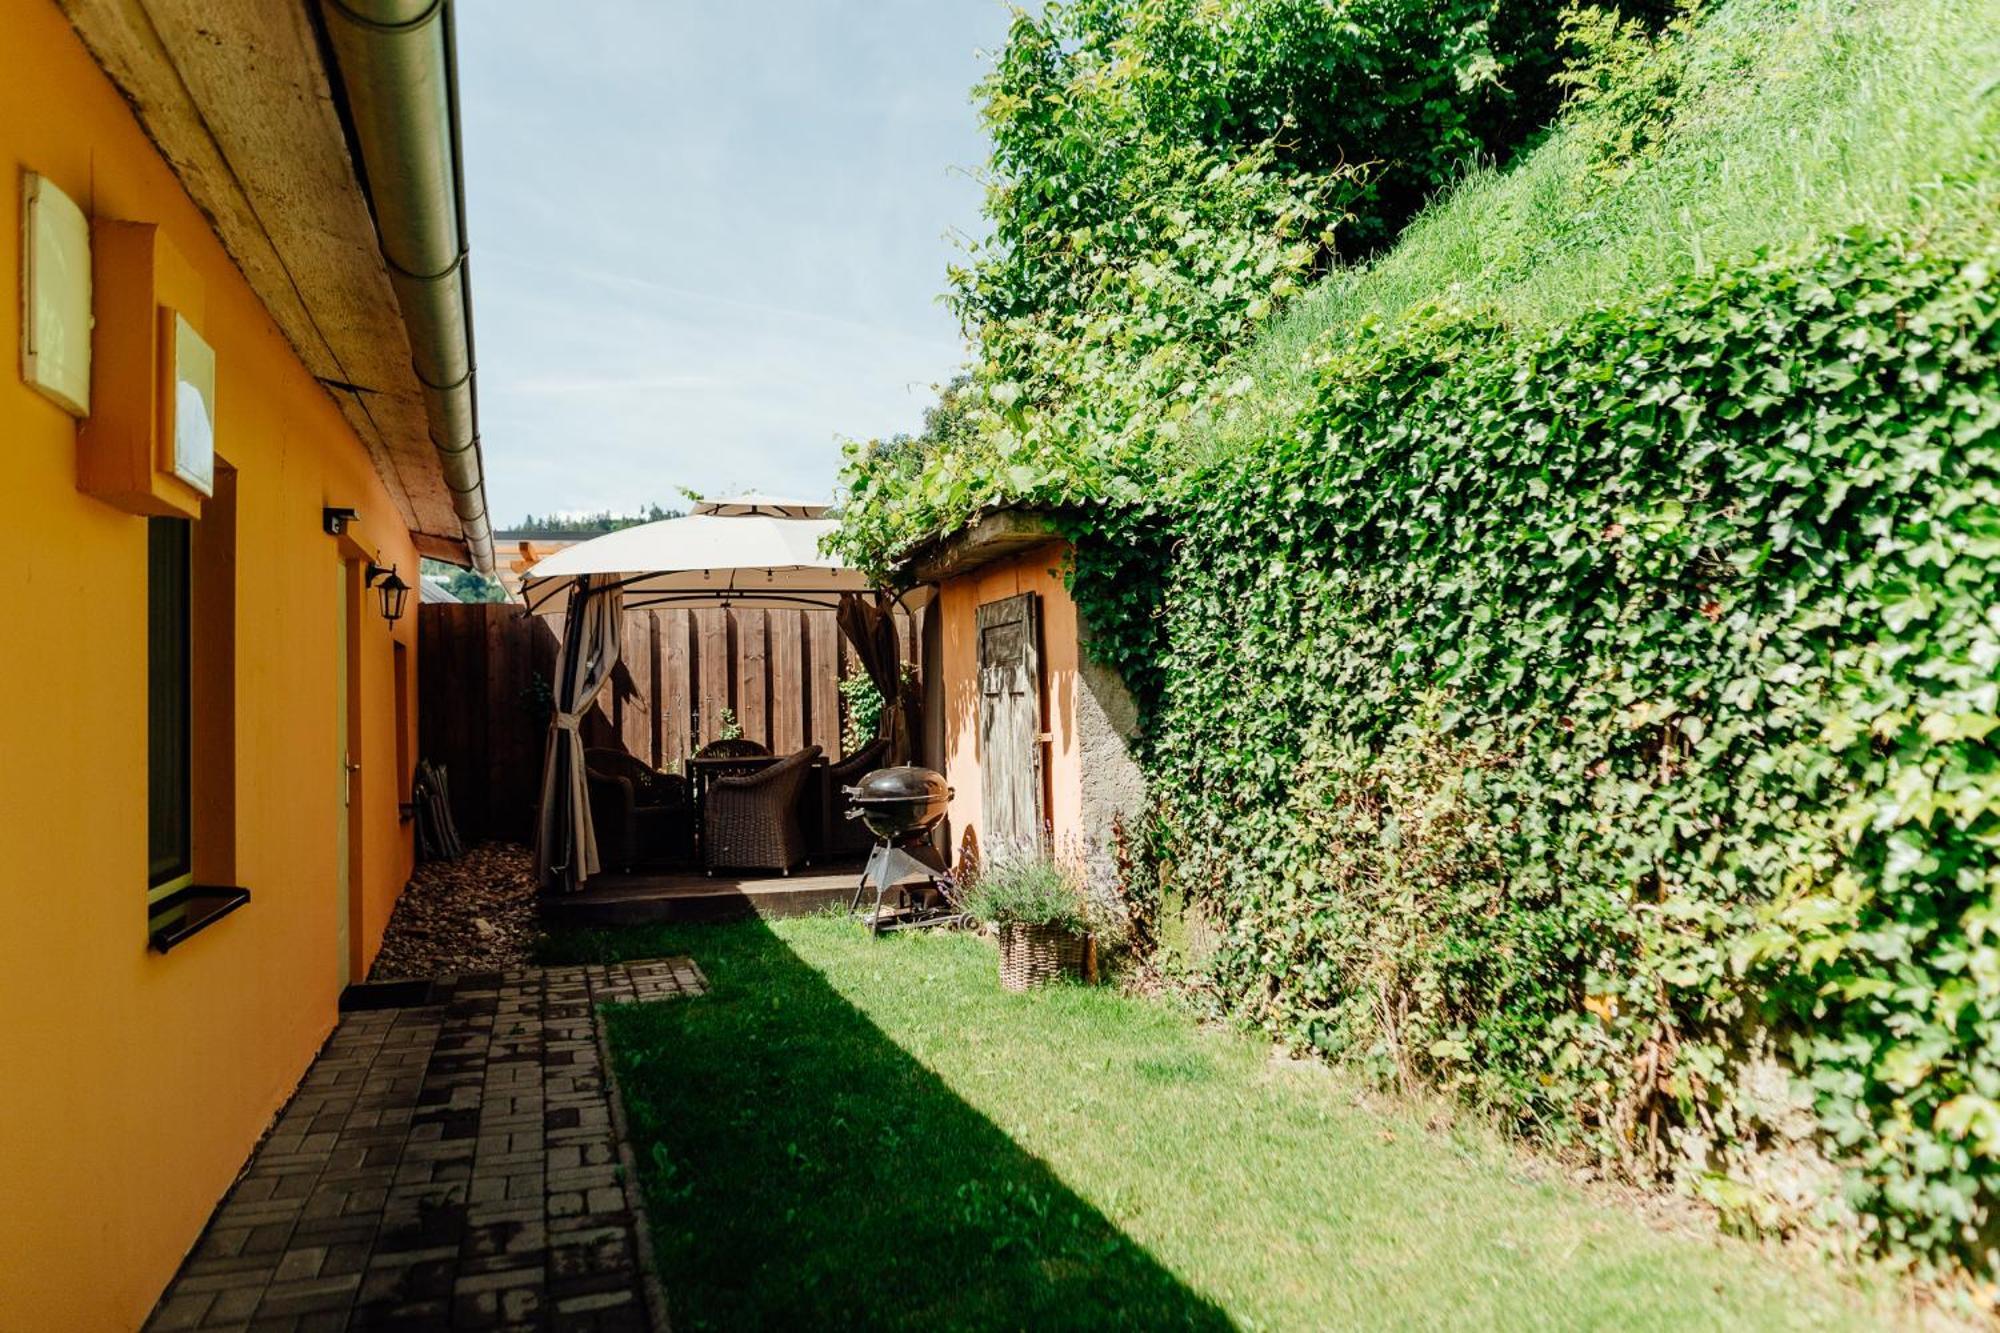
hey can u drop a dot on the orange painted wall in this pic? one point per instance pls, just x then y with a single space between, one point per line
1037 570
136 1083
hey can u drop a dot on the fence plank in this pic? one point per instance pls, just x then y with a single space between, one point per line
713 668
477 664
491 744
788 682
676 696
635 684
751 654
822 695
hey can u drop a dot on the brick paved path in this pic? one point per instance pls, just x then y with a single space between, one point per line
452 1165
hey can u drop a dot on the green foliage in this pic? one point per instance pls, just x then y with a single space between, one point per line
1165 175
1565 641
1416 89
727 728
1787 121
1029 891
1553 714
1628 80
860 712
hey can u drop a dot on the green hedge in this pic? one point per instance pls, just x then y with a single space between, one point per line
1601 723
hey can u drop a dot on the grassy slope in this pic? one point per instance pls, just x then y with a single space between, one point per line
873 1133
1801 118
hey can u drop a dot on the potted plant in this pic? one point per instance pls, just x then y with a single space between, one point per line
1039 911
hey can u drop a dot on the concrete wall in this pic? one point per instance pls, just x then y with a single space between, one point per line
136 1083
1088 774
1107 718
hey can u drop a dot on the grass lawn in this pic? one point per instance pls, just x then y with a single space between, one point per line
849 1132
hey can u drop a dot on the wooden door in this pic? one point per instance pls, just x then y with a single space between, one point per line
1010 725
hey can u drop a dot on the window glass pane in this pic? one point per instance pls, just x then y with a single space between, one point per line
167 722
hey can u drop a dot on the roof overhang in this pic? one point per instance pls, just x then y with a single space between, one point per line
992 536
237 97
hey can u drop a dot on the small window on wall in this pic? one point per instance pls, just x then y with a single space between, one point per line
168 727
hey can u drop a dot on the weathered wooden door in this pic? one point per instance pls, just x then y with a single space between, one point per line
1010 725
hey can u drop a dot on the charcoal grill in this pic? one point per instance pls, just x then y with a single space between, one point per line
901 806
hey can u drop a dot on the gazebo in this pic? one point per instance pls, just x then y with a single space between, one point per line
747 552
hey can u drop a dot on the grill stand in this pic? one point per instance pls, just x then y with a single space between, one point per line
916 873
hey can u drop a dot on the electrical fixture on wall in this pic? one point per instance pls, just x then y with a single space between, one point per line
333 519
394 591
55 295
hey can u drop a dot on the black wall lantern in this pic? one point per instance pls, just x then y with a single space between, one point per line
394 591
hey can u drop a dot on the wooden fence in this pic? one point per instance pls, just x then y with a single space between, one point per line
484 673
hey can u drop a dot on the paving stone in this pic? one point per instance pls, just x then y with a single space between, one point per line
301 1263
183 1311
449 1164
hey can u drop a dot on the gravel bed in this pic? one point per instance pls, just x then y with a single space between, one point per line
475 914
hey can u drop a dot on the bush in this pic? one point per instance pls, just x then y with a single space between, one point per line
1028 891
1597 719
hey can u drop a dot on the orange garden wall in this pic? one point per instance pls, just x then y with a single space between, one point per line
1037 570
135 1083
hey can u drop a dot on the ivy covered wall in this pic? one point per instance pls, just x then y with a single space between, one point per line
1601 723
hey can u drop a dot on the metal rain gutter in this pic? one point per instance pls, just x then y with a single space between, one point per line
398 63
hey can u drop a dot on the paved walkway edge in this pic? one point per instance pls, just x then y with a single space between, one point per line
652 1288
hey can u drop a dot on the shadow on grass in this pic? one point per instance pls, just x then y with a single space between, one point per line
803 1171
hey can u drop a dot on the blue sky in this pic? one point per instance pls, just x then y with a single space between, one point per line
708 239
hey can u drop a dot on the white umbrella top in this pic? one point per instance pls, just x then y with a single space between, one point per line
757 503
705 559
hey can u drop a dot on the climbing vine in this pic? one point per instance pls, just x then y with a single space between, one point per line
1602 723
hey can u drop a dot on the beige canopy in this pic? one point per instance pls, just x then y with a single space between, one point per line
756 502
743 558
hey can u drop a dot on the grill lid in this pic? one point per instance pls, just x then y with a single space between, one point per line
905 782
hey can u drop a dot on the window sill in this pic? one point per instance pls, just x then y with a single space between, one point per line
190 911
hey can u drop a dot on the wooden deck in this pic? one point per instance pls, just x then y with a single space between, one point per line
689 895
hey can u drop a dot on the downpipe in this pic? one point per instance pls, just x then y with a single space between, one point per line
397 62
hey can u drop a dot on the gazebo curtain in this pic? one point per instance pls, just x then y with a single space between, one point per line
565 841
870 625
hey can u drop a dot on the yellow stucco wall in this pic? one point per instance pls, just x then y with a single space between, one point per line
136 1084
1037 570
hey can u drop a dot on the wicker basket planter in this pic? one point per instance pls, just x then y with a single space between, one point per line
1033 955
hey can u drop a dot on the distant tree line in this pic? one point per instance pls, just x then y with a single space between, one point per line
592 524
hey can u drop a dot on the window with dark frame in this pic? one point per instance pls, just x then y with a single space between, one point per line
169 729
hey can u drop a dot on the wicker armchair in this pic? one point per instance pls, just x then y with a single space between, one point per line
750 821
844 836
741 747
640 814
